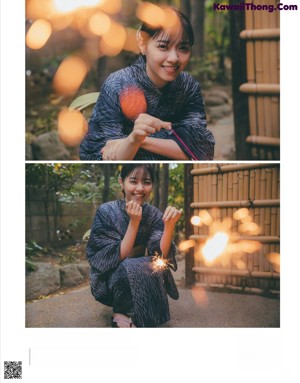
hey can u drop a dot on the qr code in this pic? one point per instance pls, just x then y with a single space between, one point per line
12 370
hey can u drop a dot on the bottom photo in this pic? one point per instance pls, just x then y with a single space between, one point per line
168 245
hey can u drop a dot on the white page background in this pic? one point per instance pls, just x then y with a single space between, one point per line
88 355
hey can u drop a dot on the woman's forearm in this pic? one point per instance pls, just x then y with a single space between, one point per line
127 242
166 240
127 149
165 147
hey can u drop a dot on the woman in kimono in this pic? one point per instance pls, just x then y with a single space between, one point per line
152 110
130 251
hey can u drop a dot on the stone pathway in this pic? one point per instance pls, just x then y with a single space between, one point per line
195 308
223 130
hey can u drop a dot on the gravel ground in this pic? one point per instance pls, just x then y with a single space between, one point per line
195 308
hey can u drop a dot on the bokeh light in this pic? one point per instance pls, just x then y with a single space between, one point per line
215 246
133 102
71 5
185 245
205 217
157 16
131 44
274 259
249 246
151 14
249 227
199 295
241 214
36 9
38 34
72 127
112 43
111 6
80 19
99 23
196 220
60 22
70 75
171 20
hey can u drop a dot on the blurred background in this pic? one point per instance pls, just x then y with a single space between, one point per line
62 199
73 45
229 232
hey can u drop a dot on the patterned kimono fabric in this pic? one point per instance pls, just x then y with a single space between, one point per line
131 286
179 102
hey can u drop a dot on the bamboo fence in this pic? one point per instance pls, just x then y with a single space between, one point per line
221 190
261 35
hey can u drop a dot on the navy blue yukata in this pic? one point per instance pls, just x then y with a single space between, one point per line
131 286
179 102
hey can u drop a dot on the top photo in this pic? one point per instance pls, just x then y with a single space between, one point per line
177 80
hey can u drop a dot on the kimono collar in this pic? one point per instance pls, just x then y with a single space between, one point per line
142 77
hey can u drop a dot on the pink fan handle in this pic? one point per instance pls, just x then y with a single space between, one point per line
187 149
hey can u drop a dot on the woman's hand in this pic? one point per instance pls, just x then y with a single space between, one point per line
126 148
171 216
109 151
134 210
145 125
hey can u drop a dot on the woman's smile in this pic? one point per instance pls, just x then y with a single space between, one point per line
139 197
137 186
171 68
165 59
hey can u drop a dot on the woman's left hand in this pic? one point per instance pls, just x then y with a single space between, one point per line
171 215
110 149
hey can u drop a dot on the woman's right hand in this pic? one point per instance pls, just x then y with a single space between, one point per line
134 210
145 125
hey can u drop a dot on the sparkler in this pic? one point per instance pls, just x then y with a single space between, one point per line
224 244
159 263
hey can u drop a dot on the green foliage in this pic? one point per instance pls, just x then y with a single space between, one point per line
70 182
89 185
71 255
30 266
50 177
217 45
176 185
176 194
211 68
82 102
86 235
33 249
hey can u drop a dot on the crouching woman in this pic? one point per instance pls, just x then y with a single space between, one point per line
131 251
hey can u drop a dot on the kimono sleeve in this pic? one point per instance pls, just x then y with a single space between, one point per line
156 232
106 122
103 248
193 135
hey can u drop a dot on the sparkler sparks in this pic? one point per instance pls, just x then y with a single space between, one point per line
159 263
215 246
224 243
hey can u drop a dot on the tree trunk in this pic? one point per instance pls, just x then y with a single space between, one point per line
188 197
105 194
239 76
185 7
197 17
156 185
164 187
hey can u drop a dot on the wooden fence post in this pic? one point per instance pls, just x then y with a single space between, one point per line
239 76
188 198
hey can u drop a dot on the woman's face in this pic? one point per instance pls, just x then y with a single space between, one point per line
137 186
166 57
